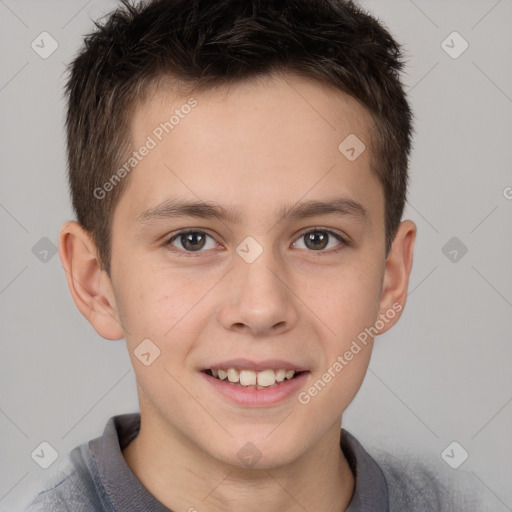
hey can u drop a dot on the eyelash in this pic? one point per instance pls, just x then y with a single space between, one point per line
187 254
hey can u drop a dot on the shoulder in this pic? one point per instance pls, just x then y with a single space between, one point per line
75 487
412 485
426 486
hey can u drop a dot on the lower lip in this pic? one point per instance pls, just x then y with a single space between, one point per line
251 397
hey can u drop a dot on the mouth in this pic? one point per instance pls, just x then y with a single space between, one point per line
253 379
255 383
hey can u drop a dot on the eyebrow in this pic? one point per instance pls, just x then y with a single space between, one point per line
178 208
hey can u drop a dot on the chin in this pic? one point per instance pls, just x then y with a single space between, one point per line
261 451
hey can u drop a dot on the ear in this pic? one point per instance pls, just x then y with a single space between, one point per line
396 275
89 285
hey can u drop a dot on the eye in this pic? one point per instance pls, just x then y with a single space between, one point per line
192 241
318 239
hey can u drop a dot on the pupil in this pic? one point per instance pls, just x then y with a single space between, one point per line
189 241
315 237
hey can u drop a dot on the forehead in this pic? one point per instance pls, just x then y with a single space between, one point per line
305 104
269 141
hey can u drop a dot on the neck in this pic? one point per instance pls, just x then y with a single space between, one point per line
182 477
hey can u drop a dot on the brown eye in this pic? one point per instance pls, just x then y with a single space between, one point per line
316 240
191 241
319 239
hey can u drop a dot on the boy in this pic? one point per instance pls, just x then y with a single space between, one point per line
238 170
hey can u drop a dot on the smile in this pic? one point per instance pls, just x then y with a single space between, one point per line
251 378
250 388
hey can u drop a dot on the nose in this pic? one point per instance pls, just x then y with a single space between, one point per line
258 299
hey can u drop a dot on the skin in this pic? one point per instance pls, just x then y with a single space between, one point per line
255 147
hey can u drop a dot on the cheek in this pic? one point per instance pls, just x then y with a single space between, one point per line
353 313
164 306
147 296
341 381
346 300
165 311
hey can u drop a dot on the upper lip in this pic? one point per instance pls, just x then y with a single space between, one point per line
246 364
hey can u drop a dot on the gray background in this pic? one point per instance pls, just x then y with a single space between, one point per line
442 374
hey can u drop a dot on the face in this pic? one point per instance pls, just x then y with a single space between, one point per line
257 276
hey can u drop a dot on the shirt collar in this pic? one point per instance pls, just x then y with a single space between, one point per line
371 492
126 493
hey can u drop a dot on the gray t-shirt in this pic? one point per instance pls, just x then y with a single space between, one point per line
98 479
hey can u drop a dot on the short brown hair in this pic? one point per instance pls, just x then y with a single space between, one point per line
207 43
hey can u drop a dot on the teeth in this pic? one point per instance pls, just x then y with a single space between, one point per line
247 378
280 375
233 375
290 374
266 378
259 380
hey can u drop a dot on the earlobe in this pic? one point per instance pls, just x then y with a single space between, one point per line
89 285
396 274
